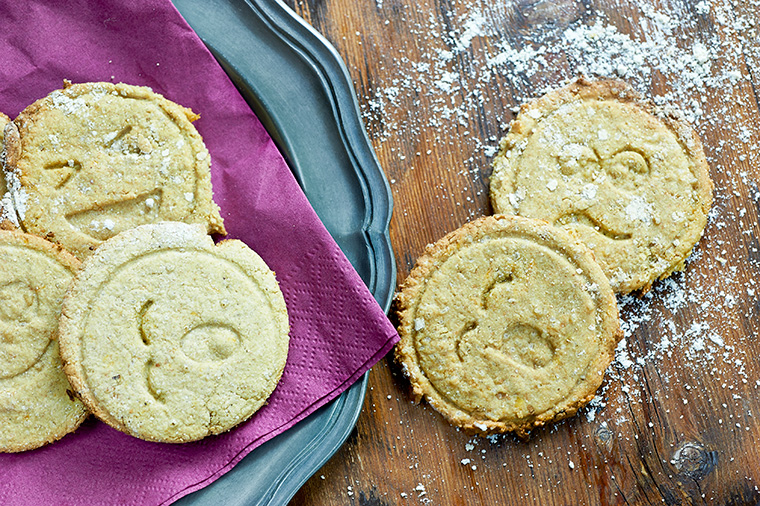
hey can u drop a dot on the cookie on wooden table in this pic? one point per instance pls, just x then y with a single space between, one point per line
36 403
629 178
506 324
94 159
170 338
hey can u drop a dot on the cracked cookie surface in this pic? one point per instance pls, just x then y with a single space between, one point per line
170 338
94 159
506 324
36 406
631 179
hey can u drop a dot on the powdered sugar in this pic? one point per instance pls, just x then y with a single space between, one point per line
68 105
639 210
6 209
13 201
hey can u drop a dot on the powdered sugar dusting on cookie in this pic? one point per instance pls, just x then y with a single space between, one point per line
14 201
61 101
6 209
638 209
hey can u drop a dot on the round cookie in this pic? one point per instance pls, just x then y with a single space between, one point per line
506 324
36 403
595 158
170 338
97 158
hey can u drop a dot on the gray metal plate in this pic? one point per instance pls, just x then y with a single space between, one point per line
299 88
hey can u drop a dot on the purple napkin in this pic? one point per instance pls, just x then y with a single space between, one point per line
337 329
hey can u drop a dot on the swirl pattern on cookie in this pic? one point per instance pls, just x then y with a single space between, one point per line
595 158
506 323
170 338
35 399
99 158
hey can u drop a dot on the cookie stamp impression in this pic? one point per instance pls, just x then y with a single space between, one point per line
506 323
97 158
170 338
36 406
595 158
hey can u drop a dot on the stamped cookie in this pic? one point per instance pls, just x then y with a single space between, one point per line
169 338
630 179
506 324
36 404
97 158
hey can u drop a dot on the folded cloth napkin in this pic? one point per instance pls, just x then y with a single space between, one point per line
338 331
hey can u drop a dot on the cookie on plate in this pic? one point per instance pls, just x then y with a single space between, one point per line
595 158
506 324
170 338
36 402
94 159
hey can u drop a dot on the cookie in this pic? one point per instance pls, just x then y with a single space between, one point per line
95 159
170 338
595 158
506 324
36 403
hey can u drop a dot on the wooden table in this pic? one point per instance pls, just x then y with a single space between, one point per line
675 421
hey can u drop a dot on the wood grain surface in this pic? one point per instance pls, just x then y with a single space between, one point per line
675 422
